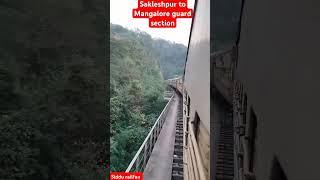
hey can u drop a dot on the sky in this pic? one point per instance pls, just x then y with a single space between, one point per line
121 13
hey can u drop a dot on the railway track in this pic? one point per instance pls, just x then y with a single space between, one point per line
177 164
225 163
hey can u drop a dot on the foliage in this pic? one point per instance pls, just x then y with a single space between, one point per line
52 78
136 88
169 56
225 24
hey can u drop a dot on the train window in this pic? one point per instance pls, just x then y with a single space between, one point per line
277 172
245 101
252 139
196 125
189 106
185 94
188 111
186 98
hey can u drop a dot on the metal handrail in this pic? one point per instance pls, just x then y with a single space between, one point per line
149 142
192 156
241 146
237 123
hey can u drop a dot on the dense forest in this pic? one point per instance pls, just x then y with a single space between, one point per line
169 56
225 23
138 67
52 90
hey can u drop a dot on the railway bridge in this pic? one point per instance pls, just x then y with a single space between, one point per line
174 146
237 113
160 155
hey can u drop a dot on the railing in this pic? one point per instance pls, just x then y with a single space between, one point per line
191 155
142 156
241 139
168 95
239 131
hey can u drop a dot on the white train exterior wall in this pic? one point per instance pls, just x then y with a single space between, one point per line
279 68
197 79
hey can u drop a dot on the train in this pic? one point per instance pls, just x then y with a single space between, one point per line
250 108
196 96
275 98
176 84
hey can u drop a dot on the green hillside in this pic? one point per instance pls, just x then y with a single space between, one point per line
137 89
168 55
52 90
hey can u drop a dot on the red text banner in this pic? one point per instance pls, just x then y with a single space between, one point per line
162 13
126 176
